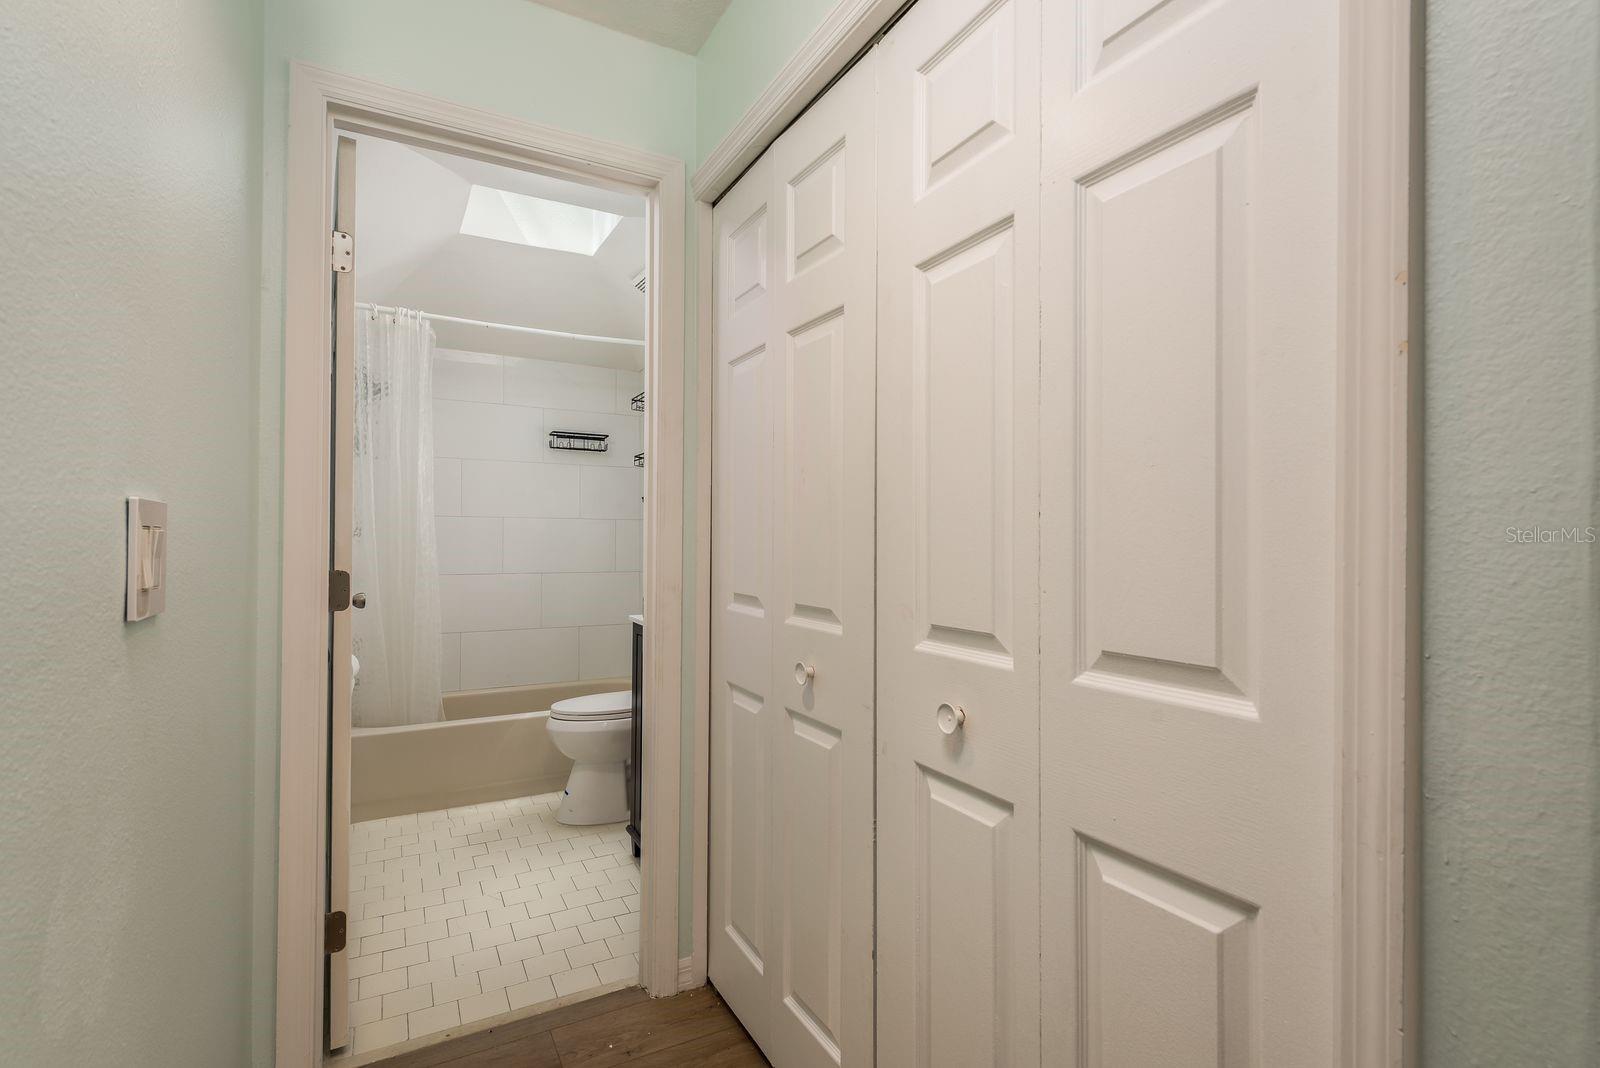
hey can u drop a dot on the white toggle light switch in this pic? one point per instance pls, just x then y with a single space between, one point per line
147 558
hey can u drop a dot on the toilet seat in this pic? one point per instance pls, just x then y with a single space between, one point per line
617 704
596 732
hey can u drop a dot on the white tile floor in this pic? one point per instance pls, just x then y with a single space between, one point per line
470 912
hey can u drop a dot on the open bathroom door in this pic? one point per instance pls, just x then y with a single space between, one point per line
342 263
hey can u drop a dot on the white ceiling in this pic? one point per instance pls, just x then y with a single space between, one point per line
411 253
680 24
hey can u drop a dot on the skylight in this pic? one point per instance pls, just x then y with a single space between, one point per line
523 220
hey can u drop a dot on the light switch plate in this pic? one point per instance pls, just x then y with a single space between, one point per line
147 558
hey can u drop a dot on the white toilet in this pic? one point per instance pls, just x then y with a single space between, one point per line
596 731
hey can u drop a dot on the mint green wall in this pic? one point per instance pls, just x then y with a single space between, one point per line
129 218
747 47
1511 810
513 57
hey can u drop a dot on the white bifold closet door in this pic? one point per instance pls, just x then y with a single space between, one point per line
958 515
791 881
1097 245
1190 715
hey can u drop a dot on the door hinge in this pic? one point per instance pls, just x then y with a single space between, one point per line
343 252
338 590
333 931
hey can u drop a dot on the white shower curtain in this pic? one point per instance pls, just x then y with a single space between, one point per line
394 556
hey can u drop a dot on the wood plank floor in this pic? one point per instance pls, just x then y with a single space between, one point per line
625 1027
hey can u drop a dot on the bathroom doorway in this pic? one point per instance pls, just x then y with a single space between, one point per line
491 807
496 567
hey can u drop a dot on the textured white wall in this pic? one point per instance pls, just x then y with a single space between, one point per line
1511 792
129 222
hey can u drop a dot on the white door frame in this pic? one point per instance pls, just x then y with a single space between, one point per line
1378 493
321 101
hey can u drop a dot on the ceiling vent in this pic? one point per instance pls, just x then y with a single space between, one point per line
639 282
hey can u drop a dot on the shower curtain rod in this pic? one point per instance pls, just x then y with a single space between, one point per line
601 338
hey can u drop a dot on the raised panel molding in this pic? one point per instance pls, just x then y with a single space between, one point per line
749 521
962 856
747 260
813 884
748 774
962 405
1116 29
1166 967
965 97
815 211
1164 475
814 395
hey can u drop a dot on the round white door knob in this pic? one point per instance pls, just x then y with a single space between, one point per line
803 672
951 718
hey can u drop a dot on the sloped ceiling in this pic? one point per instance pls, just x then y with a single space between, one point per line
410 252
679 24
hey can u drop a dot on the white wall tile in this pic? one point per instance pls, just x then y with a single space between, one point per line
548 384
518 658
449 662
623 437
447 487
469 376
519 489
611 493
630 545
559 545
589 600
629 385
468 546
489 602
520 519
472 430
605 652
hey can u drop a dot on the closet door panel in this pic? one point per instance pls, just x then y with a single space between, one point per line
957 535
1190 734
824 309
739 943
792 655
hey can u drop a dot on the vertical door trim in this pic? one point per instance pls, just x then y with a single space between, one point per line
693 970
1379 488
320 102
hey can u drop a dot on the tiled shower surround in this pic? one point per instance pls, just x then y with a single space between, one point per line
472 912
540 550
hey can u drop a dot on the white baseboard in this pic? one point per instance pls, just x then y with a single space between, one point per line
687 980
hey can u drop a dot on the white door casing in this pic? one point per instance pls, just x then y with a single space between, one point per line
343 462
791 881
1189 729
958 358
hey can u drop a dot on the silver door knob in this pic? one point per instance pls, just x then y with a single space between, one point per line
803 672
359 600
950 718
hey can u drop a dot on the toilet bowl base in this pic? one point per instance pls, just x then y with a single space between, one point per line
595 793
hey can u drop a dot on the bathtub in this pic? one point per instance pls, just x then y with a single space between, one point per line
491 745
